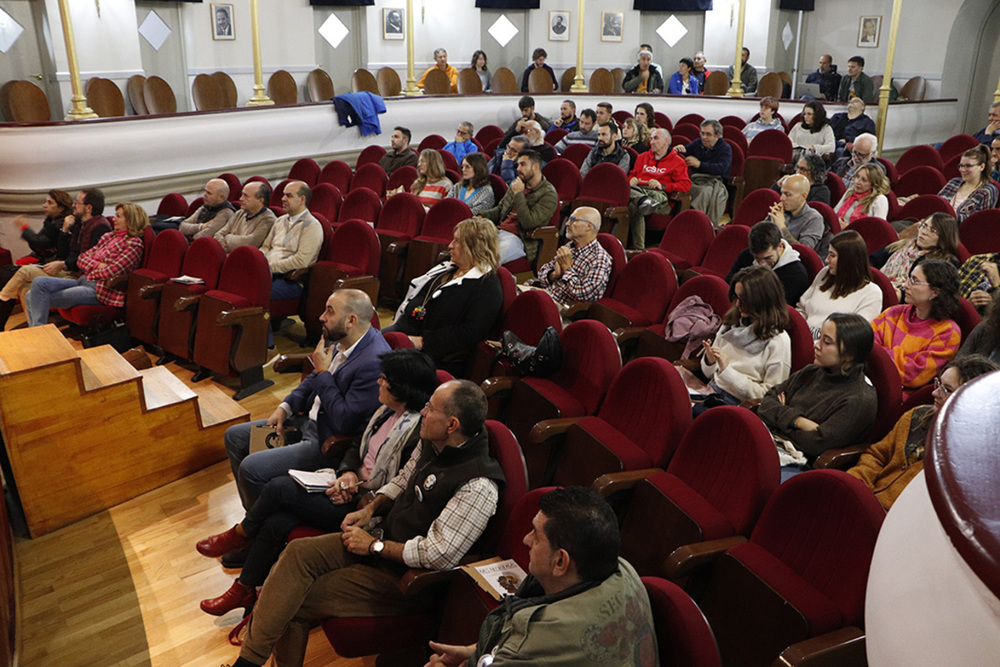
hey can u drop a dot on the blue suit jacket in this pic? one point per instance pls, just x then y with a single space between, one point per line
348 397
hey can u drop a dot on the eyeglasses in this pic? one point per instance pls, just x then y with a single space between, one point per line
429 408
962 165
859 154
942 386
927 226
911 281
571 219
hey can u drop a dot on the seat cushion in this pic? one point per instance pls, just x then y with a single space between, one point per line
91 315
635 316
357 637
713 523
560 398
630 454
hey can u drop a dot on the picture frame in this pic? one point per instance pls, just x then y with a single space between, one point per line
223 27
559 26
869 31
393 23
612 26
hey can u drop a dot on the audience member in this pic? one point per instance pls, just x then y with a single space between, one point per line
992 129
504 163
995 159
748 73
527 106
828 404
862 152
709 160
648 47
827 78
441 62
797 220
604 111
587 134
813 133
644 77
683 81
453 306
576 584
538 57
656 173
607 150
857 83
766 248
432 513
528 204
644 115
44 244
978 279
293 242
212 215
985 337
407 381
752 352
849 125
866 196
536 140
973 190
399 154
475 188
116 254
935 238
581 268
890 464
252 223
635 136
844 285
567 117
479 65
463 143
432 184
919 333
813 167
700 71
767 120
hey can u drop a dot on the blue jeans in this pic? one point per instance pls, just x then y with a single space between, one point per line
47 292
281 290
253 471
511 247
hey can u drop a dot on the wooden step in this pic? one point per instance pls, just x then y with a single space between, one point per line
29 349
103 366
218 407
160 388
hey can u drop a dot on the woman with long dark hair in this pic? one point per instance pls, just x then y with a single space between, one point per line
480 67
985 338
475 188
813 133
936 238
973 189
843 286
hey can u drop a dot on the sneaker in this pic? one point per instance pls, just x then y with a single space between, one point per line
647 206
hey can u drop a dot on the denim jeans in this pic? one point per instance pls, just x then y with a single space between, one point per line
47 292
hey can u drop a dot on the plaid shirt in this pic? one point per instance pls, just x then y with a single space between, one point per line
120 254
980 199
585 280
456 529
971 276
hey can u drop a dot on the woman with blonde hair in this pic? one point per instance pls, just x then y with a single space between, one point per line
635 135
867 196
453 306
936 238
432 184
118 253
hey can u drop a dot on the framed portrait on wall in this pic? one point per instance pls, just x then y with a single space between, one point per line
222 21
392 23
559 26
869 29
611 26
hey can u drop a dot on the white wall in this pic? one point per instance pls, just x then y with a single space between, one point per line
449 24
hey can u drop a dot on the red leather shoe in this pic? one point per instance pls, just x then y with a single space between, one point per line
237 596
219 545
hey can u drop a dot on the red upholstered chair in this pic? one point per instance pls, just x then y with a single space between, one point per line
450 163
142 300
691 118
957 145
640 295
919 156
398 340
436 234
732 121
5 257
488 133
235 187
661 119
326 200
889 297
528 316
338 174
687 130
435 141
305 170
809 259
890 171
231 335
606 188
257 179
737 136
738 171
837 187
922 396
922 206
621 116
361 204
590 359
564 177
401 222
576 153
876 232
282 308
371 176
490 147
369 155
720 477
499 187
755 206
173 204
773 144
403 177
802 576
980 232
683 635
554 134
686 239
175 334
967 317
802 340
632 431
452 174
195 205
720 256
830 219
276 193
920 180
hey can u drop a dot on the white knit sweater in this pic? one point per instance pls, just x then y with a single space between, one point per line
816 305
749 375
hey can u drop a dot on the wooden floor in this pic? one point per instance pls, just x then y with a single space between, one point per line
122 587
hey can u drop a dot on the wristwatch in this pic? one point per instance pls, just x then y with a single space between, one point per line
376 547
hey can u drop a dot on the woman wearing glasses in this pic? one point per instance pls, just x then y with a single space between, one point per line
936 238
973 190
919 334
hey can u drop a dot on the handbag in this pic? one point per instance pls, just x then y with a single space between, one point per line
540 360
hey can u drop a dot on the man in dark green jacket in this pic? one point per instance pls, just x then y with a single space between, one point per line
857 83
529 204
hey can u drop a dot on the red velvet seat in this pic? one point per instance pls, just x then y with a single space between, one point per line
923 206
661 119
195 205
282 308
736 135
809 259
890 171
773 144
361 204
918 156
175 334
830 219
369 155
450 164
957 145
686 239
606 188
689 131
876 232
732 121
967 317
553 136
499 187
326 200
276 194
305 170
172 204
564 177
837 187
371 176
401 221
235 186
980 232
802 341
488 133
621 116
640 295
691 118
719 257
338 174
142 300
920 180
683 635
435 141
755 206
403 177
576 153
884 376
889 297
801 576
437 232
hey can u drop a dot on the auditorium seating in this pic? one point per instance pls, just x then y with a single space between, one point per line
601 82
539 81
809 259
206 93
606 188
402 177
662 120
980 232
370 176
28 103
553 136
437 82
363 81
172 204
175 333
469 82
686 239
388 81
576 153
136 97
683 635
876 232
640 295
737 136
830 219
802 340
755 207
920 180
319 85
889 297
504 82
732 121
565 177
957 145
717 83
326 201
305 170
235 187
105 98
436 234
145 284
720 256
435 141
919 156
158 96
228 89
369 154
837 187
337 173
922 206
361 204
402 222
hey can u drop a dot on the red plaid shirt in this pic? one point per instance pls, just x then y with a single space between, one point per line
120 254
586 280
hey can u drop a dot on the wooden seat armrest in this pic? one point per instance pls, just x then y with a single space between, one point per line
187 302
626 334
297 274
228 318
684 198
574 308
150 291
684 560
614 482
499 386
116 281
843 647
841 458
550 428
336 444
417 580
398 246
290 363
549 238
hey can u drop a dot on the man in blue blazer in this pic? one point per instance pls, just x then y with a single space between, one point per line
340 396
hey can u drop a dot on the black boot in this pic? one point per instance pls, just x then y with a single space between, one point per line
6 308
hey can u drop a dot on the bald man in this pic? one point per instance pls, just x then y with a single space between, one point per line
581 268
212 215
799 222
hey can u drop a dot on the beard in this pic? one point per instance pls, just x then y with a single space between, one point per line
334 334
603 144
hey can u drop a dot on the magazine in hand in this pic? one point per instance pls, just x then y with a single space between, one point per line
497 577
314 482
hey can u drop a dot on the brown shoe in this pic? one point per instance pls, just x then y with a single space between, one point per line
221 544
237 596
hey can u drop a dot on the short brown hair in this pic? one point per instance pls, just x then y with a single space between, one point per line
135 218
